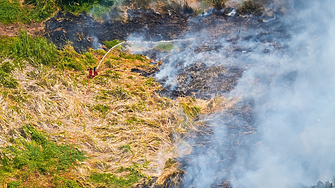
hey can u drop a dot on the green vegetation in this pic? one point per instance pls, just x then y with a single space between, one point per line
34 50
33 153
7 81
133 175
165 47
25 48
113 74
11 11
189 110
132 56
111 44
169 163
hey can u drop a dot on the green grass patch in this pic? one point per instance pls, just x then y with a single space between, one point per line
132 56
120 94
113 75
7 81
189 110
35 50
111 180
164 47
132 176
33 153
111 44
102 108
13 12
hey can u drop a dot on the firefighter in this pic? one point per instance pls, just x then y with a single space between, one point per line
90 73
95 72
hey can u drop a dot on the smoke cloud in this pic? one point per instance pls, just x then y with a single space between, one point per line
290 89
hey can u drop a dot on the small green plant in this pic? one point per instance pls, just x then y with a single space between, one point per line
126 148
108 64
102 108
99 10
189 110
132 174
120 93
149 82
169 163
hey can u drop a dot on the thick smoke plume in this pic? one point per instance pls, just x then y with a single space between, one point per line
290 89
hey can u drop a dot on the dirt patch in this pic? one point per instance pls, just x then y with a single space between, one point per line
12 30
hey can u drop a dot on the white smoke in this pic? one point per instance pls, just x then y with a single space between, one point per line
295 123
293 96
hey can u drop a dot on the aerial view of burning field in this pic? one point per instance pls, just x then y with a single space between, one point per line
167 94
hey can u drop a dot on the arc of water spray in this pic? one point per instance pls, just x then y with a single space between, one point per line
162 41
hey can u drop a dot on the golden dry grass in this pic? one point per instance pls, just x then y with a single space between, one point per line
123 119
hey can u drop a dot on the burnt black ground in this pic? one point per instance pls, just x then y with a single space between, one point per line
82 29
